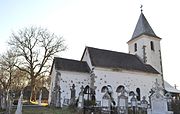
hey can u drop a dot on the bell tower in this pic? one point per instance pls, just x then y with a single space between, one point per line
146 44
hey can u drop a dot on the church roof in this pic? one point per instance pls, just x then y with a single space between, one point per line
112 59
70 65
143 28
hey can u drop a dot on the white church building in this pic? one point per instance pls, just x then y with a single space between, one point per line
135 71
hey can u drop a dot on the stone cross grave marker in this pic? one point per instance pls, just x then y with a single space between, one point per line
158 101
122 103
73 95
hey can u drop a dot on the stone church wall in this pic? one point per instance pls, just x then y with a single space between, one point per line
130 80
69 78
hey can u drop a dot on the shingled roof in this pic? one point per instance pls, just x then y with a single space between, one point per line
112 59
70 65
143 28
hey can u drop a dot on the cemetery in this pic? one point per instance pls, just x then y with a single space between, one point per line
127 103
85 103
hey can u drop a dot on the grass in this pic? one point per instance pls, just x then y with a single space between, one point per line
47 110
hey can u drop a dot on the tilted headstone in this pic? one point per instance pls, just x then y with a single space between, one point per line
19 107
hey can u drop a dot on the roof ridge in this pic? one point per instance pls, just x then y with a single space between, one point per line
110 50
68 59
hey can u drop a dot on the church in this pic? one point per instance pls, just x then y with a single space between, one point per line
136 71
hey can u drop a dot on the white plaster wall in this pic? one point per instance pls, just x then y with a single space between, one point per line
131 80
69 78
86 58
153 57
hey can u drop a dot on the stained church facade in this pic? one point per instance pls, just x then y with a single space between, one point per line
136 71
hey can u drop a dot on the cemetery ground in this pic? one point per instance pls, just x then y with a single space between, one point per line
43 110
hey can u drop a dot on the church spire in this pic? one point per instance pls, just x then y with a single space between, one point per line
143 27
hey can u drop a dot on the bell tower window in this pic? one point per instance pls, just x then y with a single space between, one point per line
152 45
135 47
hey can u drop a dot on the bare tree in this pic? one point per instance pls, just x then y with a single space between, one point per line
35 48
7 69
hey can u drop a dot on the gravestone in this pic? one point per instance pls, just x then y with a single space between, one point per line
58 97
73 95
40 97
144 104
168 97
134 104
106 106
19 107
122 102
81 98
158 101
56 93
158 104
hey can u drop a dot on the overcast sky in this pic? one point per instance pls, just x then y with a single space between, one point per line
105 24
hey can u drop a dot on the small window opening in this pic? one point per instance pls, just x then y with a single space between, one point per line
135 47
138 94
152 45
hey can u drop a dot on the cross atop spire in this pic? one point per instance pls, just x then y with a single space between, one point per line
141 8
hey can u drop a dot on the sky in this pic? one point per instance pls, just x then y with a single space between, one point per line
104 24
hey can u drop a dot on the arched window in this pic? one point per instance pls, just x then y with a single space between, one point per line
152 45
135 47
104 89
120 88
131 93
87 93
138 94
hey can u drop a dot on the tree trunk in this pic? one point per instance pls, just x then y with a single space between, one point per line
33 89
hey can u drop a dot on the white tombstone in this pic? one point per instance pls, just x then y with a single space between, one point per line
106 100
158 104
40 97
158 101
19 107
81 99
122 103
